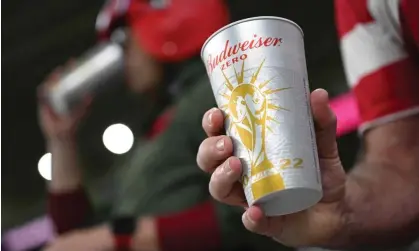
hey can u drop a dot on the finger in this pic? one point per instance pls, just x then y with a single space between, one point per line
43 105
332 173
325 121
46 109
224 184
255 221
81 109
213 151
53 76
213 122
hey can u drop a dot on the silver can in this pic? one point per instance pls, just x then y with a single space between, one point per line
258 73
94 71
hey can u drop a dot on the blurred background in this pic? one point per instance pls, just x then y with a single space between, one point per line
40 35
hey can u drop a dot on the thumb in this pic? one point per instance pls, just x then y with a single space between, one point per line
332 173
325 123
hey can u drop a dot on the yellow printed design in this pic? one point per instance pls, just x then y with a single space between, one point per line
247 109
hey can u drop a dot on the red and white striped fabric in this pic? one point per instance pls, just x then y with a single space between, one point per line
380 52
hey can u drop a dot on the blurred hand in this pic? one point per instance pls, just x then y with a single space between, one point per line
57 127
96 239
313 227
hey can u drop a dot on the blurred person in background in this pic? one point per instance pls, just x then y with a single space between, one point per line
163 201
149 72
375 205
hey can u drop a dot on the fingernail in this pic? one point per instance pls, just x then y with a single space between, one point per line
226 167
210 118
247 215
220 145
210 115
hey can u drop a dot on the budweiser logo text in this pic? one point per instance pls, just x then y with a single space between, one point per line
231 51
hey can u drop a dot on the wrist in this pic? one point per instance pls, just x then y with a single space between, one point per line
62 143
66 169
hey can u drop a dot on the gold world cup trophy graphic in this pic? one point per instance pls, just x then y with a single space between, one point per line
247 108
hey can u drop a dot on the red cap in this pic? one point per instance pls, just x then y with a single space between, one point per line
170 30
178 29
